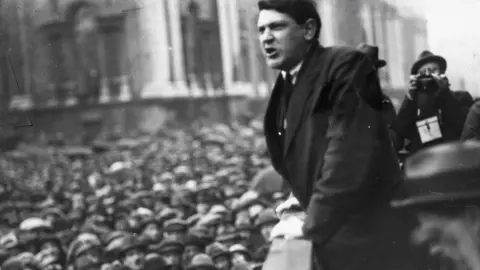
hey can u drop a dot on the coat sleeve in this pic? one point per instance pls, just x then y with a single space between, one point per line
352 134
406 128
471 129
390 117
454 113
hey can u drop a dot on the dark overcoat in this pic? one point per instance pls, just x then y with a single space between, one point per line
340 164
471 129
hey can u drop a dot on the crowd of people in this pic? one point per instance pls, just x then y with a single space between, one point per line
180 199
184 198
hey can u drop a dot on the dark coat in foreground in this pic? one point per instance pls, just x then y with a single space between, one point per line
340 163
471 129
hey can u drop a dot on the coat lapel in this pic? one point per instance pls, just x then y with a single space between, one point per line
303 89
270 120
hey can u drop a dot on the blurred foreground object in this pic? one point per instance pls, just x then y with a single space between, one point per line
471 129
443 187
443 176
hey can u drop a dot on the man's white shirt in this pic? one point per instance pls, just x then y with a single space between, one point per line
293 72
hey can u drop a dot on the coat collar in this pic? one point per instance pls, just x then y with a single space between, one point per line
293 72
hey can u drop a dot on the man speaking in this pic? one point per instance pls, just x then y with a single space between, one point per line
331 144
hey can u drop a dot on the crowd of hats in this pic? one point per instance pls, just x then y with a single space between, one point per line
179 199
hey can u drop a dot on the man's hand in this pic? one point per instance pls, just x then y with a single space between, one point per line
288 228
443 85
442 81
412 86
287 205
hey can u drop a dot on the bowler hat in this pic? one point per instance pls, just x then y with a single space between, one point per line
238 248
372 52
202 261
121 245
426 57
167 245
81 244
216 250
443 175
175 225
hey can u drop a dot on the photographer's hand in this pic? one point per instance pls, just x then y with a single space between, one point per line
412 86
442 81
443 85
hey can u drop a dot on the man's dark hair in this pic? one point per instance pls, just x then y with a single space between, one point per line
299 10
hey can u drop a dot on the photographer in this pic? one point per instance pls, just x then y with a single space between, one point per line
430 114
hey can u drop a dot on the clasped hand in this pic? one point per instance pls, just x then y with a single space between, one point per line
291 223
289 227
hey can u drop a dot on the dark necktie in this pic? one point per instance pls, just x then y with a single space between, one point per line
288 89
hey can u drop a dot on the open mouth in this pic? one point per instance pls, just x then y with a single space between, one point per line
271 52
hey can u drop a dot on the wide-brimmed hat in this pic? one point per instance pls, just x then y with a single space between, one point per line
372 52
216 250
175 225
83 242
238 248
428 56
167 245
443 175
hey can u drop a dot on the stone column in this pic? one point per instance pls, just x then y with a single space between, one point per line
180 86
400 54
367 19
378 28
381 41
393 48
328 34
234 11
226 44
253 61
240 87
154 25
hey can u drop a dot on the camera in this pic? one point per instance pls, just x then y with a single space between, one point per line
427 84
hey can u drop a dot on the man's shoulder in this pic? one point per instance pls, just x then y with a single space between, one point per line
343 52
338 56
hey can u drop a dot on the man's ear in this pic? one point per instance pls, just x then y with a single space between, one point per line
310 29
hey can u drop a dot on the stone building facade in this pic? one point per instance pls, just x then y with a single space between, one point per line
64 53
57 51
